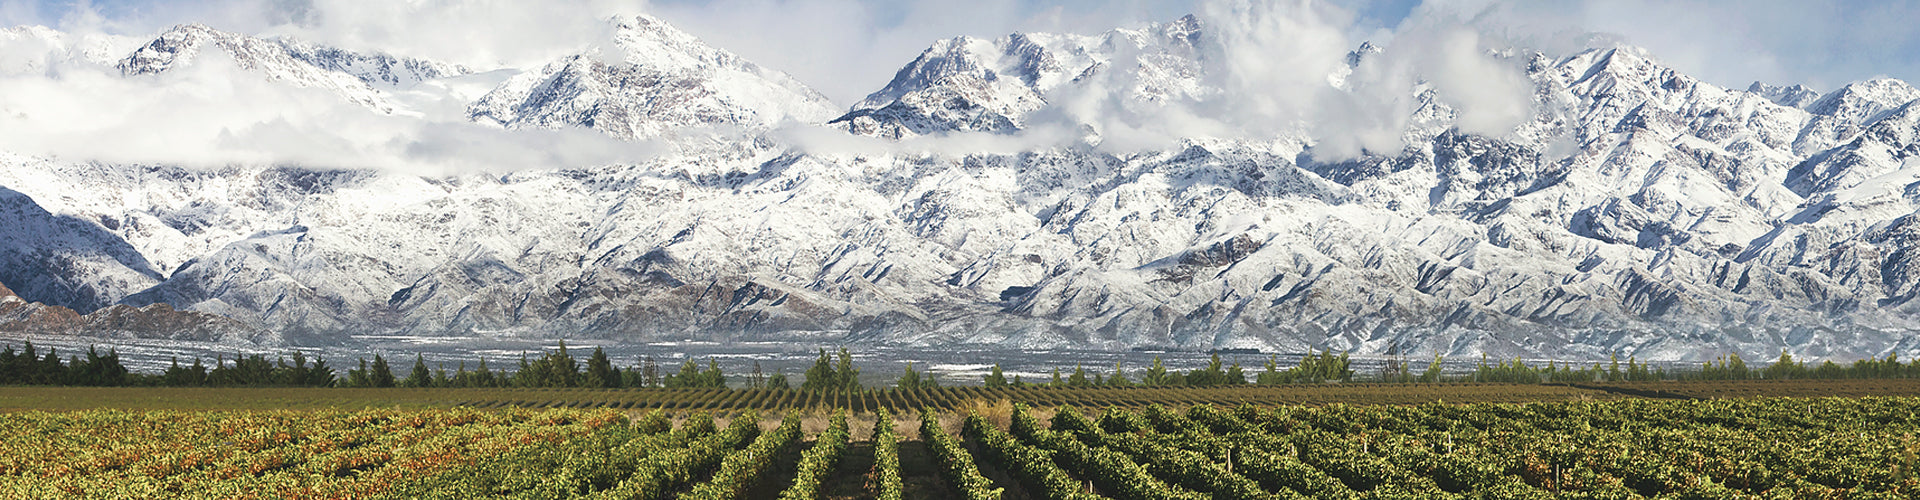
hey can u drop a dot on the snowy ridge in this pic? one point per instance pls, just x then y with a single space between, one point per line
361 78
657 79
969 84
1640 211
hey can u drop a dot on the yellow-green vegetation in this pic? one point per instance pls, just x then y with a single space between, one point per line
18 398
1626 448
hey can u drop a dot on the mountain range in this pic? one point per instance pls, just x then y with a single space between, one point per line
1638 211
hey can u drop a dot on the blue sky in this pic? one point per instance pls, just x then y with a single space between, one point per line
843 46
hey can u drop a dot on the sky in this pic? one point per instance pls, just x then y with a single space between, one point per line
847 48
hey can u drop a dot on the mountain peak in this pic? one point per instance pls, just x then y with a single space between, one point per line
965 84
358 77
1792 96
652 81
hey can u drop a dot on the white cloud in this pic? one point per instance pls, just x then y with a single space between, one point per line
1821 44
214 113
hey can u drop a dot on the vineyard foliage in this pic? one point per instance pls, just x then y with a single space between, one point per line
886 458
1631 448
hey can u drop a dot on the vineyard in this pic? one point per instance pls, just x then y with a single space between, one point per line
776 401
1626 448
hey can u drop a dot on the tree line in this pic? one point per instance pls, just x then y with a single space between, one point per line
837 372
29 367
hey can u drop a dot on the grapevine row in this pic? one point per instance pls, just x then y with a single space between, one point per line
740 470
955 463
886 458
819 460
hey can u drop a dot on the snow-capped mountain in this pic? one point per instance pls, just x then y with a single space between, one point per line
1639 211
652 80
969 84
365 79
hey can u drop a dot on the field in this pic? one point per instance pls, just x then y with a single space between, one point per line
17 398
1623 448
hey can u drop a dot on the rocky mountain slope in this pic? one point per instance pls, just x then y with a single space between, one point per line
158 321
1639 211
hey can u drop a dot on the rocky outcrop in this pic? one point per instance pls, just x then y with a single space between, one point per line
158 321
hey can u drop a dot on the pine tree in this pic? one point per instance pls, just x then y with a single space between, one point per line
357 377
910 379
996 378
600 372
712 376
320 375
1119 378
483 377
461 377
1156 374
821 376
420 376
382 375
1079 378
848 375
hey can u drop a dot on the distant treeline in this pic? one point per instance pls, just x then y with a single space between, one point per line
837 373
29 367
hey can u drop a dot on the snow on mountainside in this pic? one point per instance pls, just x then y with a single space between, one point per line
365 79
655 79
1640 211
969 84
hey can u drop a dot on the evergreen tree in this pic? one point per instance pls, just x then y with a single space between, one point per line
461 377
1056 379
689 375
910 379
320 375
996 378
180 376
1119 378
1156 374
382 375
600 371
848 375
420 376
712 376
1079 378
1235 376
357 377
440 378
821 376
778 381
482 377
7 358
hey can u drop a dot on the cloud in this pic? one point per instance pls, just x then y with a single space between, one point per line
1280 70
1821 44
848 48
213 113
1266 67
